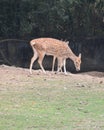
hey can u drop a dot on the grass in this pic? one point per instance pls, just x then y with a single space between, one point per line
40 103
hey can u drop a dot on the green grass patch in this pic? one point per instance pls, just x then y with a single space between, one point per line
51 105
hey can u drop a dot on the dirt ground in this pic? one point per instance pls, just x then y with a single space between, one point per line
14 75
74 94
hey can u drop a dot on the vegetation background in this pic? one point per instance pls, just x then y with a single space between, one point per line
81 22
63 19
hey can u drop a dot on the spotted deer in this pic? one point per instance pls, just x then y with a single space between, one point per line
56 48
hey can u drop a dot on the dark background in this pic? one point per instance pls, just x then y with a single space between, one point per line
81 22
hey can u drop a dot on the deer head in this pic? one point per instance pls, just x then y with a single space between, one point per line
77 62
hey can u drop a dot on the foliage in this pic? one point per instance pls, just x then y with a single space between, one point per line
57 18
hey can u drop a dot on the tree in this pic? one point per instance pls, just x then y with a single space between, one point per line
63 19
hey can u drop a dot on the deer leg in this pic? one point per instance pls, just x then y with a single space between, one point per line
53 64
41 56
59 68
64 64
35 56
59 65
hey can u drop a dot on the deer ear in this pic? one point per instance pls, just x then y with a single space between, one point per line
67 42
79 55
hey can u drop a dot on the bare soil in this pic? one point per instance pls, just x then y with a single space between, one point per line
10 75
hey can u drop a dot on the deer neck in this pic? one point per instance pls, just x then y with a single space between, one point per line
72 56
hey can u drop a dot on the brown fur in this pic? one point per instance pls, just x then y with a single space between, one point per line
58 49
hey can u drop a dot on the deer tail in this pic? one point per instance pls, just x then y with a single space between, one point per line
32 42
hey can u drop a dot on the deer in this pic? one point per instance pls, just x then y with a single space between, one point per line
56 48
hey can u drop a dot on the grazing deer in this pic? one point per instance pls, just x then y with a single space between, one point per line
58 49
